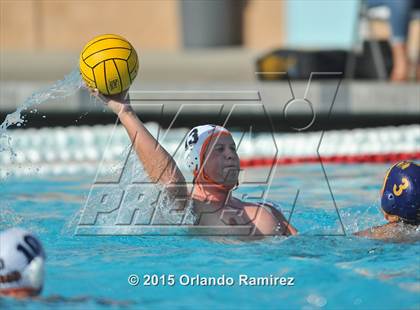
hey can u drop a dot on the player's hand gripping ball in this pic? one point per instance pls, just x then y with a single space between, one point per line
109 63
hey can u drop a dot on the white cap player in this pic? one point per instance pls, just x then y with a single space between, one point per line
21 263
196 143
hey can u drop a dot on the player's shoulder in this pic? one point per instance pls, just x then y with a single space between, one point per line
263 208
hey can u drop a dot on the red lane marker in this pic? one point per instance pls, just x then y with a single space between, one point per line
341 159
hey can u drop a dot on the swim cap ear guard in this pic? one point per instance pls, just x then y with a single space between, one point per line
401 192
194 143
21 261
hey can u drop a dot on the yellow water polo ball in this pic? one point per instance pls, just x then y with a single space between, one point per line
109 63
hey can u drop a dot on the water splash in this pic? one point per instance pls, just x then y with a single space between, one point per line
61 89
8 218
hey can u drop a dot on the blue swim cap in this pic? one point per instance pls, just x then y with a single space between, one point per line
401 192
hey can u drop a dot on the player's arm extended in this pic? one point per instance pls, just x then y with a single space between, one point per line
389 231
157 162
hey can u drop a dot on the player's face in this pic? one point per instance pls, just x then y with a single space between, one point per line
221 161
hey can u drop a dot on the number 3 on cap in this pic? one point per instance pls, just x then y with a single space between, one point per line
405 184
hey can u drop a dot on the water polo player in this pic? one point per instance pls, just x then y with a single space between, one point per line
400 202
211 156
21 264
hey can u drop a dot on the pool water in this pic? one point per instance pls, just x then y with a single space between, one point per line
331 268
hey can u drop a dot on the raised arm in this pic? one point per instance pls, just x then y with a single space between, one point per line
157 162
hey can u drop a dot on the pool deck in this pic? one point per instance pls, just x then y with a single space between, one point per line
200 82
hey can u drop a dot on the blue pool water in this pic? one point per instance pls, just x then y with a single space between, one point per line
330 270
